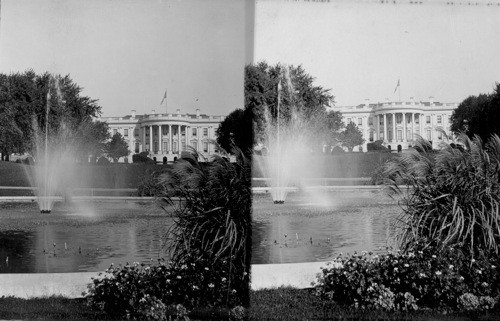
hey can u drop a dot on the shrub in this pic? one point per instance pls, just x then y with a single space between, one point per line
142 157
453 197
167 288
428 278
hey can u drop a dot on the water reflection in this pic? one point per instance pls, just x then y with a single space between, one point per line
304 232
91 237
69 240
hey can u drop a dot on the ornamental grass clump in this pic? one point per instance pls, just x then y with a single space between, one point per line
453 196
212 220
426 279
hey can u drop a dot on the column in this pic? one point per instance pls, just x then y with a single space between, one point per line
151 138
412 126
377 127
170 139
186 128
160 134
144 140
393 127
385 128
179 142
404 128
421 124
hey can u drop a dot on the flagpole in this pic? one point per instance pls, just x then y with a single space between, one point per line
399 90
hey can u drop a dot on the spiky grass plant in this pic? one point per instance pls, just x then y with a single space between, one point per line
453 195
212 217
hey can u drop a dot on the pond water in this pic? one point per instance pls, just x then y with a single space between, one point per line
310 228
91 236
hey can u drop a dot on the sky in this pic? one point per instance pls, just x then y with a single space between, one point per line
360 49
127 53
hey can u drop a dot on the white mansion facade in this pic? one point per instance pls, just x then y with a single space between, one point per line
398 123
165 136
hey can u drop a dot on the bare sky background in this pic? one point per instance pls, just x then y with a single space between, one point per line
360 49
126 53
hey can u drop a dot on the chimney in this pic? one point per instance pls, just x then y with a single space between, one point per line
153 111
412 101
133 113
178 112
198 113
431 100
367 103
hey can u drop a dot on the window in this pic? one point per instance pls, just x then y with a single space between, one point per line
408 135
205 131
440 135
165 147
175 147
371 136
428 132
400 135
136 132
370 121
381 121
194 131
417 119
125 132
115 131
360 121
348 120
399 118
183 145
439 120
205 147
427 119
194 144
137 147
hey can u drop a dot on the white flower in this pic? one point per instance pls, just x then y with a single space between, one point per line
438 273
211 285
206 269
184 267
195 287
395 269
479 272
407 265
473 260
451 266
493 266
422 275
223 279
433 256
179 277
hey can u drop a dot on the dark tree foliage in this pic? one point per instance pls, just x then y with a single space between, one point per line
236 130
351 137
478 115
117 147
23 101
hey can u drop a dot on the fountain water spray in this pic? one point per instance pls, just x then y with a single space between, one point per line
286 143
53 153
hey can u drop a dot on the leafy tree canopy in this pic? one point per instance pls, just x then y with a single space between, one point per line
117 147
261 96
351 137
236 130
24 98
478 115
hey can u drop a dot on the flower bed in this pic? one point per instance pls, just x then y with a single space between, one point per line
424 279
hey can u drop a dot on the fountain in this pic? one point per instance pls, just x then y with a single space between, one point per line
53 153
285 140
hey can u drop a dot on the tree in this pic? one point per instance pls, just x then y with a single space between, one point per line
478 115
236 130
24 99
351 137
117 147
92 138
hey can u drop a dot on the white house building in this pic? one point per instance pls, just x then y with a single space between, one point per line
165 136
398 123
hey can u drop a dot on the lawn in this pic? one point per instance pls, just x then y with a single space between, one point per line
269 304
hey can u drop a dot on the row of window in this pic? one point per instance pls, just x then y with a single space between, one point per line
175 147
399 135
136 132
399 120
